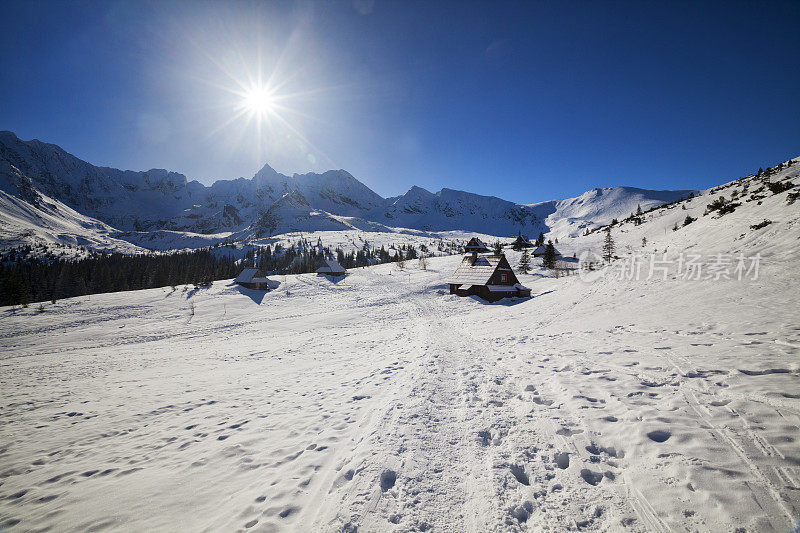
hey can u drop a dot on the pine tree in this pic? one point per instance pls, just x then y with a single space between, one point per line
549 258
525 262
540 239
498 248
608 246
639 209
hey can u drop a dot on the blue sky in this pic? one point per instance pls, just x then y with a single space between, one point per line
527 101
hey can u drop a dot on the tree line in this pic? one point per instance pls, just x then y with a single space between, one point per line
25 279
38 280
303 257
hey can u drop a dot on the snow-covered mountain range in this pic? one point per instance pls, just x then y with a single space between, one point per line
52 195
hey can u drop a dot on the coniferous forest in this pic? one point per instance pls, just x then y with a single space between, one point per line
35 280
25 279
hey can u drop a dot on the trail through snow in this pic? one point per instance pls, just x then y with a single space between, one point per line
379 402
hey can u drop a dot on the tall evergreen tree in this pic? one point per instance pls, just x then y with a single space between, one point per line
549 257
608 246
525 262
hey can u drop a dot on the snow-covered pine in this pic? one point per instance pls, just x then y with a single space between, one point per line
525 261
608 246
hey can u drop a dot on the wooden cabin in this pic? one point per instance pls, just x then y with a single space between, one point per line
331 268
521 242
476 245
250 278
487 276
539 251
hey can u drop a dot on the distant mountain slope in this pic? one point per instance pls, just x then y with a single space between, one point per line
30 217
601 206
271 203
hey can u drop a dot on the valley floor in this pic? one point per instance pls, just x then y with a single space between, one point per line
382 403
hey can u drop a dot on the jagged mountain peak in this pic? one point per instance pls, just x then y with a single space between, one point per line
267 173
416 193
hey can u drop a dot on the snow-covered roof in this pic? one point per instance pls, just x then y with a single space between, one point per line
331 267
477 272
476 243
541 249
246 276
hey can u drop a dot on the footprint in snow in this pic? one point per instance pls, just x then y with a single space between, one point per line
591 477
659 435
519 474
388 479
561 460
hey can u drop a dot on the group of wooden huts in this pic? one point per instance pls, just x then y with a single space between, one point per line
522 242
482 272
252 278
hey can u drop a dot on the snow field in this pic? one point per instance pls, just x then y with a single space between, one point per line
381 403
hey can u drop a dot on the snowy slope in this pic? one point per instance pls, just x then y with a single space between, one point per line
600 206
271 203
28 217
381 403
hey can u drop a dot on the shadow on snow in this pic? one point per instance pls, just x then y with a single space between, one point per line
508 302
258 295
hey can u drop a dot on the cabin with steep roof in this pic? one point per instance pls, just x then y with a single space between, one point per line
476 245
540 250
487 276
331 268
521 242
250 278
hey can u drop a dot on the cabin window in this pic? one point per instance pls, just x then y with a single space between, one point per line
503 277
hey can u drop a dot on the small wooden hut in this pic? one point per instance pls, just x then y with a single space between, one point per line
331 268
487 276
476 245
540 250
250 278
521 242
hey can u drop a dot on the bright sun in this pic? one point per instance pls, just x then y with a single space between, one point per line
259 101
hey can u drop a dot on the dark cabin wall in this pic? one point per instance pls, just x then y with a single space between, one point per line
495 279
